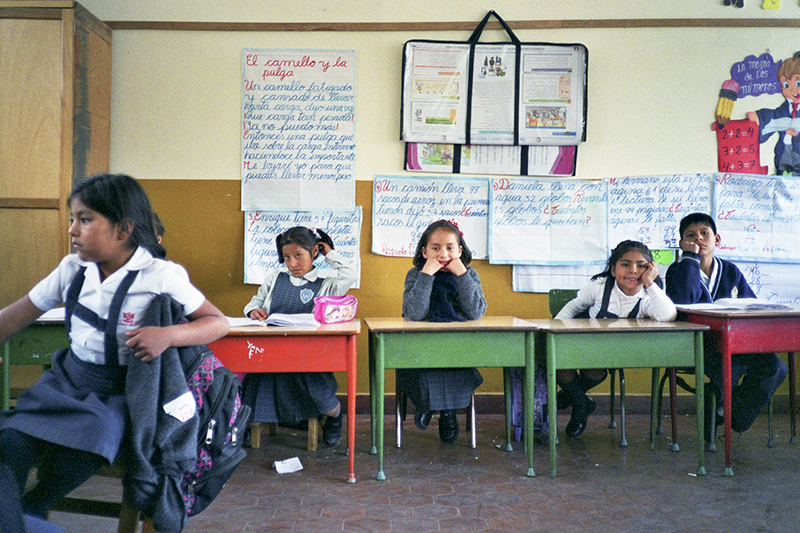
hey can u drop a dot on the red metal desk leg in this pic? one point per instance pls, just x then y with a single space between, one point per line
793 396
725 349
351 406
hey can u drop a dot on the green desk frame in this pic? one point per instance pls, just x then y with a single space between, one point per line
35 345
625 343
488 342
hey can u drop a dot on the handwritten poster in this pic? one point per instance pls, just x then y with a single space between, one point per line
262 227
402 207
774 282
649 208
298 129
547 222
553 222
738 148
536 278
758 217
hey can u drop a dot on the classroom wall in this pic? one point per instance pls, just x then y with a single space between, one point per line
197 240
176 108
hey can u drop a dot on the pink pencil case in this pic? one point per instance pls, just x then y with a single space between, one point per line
332 309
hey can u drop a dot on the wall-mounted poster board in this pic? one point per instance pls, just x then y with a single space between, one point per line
552 222
498 94
298 129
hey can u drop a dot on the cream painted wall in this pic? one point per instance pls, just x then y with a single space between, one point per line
418 10
176 95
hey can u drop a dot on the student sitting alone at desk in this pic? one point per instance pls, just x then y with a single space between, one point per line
629 287
74 418
699 277
441 287
290 398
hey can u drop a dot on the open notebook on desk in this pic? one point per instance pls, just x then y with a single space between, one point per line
754 304
276 319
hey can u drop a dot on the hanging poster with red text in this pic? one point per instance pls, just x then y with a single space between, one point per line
262 227
547 222
298 129
403 206
649 209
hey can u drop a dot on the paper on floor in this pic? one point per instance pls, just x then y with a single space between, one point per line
287 466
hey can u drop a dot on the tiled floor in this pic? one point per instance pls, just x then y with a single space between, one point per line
433 486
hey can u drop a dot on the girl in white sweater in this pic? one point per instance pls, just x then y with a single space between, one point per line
629 287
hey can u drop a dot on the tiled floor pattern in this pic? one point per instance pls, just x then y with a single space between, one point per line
433 486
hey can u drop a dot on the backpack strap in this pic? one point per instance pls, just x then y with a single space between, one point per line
108 325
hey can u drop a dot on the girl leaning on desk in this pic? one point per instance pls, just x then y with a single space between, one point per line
629 287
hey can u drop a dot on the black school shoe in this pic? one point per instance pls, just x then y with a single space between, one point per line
581 409
448 426
422 419
332 429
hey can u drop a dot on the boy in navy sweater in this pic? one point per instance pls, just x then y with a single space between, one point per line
699 277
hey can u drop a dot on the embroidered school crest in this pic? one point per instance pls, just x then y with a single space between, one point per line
306 295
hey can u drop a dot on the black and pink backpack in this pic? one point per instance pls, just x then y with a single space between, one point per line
223 419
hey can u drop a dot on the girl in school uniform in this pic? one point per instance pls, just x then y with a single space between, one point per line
441 287
629 287
73 419
290 398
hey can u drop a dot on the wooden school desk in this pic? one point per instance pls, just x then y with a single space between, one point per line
488 342
748 331
323 348
621 343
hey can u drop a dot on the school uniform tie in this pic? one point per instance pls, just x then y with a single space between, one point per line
794 109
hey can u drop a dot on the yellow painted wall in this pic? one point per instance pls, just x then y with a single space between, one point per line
205 233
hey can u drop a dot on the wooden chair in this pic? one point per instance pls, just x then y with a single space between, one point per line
35 346
557 299
130 520
256 427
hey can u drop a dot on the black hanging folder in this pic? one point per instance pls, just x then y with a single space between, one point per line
508 93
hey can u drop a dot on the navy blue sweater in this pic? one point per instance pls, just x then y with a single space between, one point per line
684 285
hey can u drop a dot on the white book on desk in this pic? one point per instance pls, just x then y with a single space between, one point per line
276 319
53 315
753 304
